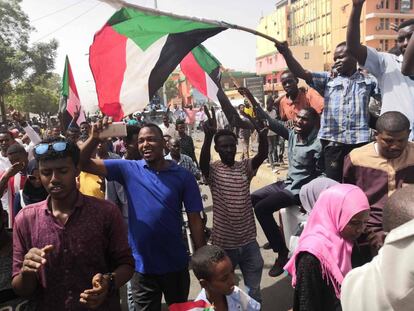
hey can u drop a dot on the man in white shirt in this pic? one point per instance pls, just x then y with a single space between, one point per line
166 127
397 90
387 282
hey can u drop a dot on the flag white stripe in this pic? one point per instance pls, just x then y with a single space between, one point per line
139 64
212 88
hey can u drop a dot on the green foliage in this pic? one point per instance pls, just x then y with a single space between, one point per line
24 68
171 89
40 96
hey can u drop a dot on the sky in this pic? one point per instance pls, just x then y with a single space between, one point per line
74 22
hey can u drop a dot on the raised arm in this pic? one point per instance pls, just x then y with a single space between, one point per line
408 62
273 124
262 150
87 163
210 128
231 113
292 63
353 34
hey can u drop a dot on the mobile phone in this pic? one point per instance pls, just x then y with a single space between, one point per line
115 129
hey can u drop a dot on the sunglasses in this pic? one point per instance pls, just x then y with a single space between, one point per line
57 147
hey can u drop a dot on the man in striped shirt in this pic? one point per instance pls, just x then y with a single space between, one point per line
234 227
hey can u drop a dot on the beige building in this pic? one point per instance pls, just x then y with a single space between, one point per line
323 24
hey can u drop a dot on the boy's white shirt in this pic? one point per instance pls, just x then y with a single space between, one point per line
236 301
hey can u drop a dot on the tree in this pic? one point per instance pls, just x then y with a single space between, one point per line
40 96
19 62
171 90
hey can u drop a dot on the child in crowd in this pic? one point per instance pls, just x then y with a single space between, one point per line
214 271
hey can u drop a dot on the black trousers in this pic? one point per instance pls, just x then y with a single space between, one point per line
147 289
334 154
266 201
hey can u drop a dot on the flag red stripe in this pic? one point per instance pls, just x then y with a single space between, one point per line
108 59
194 73
72 84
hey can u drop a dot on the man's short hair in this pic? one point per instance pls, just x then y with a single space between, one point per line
399 208
71 151
16 148
179 121
131 131
85 122
154 127
343 43
406 23
204 258
224 132
313 115
392 121
5 130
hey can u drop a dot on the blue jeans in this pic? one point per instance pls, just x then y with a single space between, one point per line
250 261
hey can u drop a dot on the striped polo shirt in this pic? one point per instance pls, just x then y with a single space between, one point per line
233 218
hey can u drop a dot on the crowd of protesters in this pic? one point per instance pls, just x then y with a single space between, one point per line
83 215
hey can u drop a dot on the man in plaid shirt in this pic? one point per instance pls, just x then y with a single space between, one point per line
345 118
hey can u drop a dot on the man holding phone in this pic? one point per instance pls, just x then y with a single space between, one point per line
157 189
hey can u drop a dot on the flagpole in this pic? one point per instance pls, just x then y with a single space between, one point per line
121 3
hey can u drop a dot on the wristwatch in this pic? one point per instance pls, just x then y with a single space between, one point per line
111 283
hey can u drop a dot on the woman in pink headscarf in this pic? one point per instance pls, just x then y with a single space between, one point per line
323 256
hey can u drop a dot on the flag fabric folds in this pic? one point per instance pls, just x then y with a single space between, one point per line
135 52
69 100
202 69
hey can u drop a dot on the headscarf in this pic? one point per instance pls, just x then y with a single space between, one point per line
31 194
321 236
310 192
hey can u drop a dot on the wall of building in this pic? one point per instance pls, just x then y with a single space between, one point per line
275 25
324 23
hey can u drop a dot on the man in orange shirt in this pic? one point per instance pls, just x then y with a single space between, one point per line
297 98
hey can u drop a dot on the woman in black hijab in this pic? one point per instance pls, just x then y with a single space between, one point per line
33 190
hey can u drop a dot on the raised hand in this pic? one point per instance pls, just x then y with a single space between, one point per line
282 47
99 126
76 113
210 125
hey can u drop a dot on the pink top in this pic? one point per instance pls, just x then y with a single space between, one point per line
190 115
321 237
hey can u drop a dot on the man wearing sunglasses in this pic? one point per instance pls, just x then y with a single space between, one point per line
70 252
156 189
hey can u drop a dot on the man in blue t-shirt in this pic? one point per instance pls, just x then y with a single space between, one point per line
156 189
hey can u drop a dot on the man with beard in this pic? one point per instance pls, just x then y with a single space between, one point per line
304 149
345 117
397 90
379 169
70 252
234 227
156 189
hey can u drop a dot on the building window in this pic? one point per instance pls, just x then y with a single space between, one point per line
397 21
397 4
260 64
306 55
387 23
270 61
387 4
381 47
381 25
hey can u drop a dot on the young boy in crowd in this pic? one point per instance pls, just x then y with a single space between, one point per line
214 271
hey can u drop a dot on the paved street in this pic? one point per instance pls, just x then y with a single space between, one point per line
277 293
